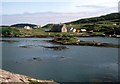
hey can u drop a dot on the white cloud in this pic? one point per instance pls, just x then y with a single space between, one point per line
42 18
45 18
74 10
87 1
71 5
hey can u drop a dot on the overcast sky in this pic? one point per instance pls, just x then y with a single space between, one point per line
53 11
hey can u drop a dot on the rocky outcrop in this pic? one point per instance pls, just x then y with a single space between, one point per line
56 47
8 41
12 78
75 41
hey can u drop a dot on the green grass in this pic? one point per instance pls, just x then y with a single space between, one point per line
99 28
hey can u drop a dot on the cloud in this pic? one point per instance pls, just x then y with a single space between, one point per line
43 17
119 6
65 12
98 8
92 6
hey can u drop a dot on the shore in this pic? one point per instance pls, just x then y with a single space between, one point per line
47 36
7 77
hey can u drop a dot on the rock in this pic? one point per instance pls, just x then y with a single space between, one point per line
60 57
34 58
98 43
37 59
12 78
27 46
56 47
8 41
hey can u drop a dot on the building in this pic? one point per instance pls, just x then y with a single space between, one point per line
59 28
83 30
78 31
114 24
27 27
72 29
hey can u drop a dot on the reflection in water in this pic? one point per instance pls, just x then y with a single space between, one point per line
75 64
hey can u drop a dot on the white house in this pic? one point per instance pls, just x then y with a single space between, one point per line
72 29
27 27
114 24
83 30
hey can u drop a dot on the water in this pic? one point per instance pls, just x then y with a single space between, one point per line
76 64
101 39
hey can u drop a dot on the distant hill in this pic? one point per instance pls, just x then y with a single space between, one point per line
22 25
4 26
115 17
48 26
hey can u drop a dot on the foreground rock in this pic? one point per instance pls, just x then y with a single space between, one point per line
11 78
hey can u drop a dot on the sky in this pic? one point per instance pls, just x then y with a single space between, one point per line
53 11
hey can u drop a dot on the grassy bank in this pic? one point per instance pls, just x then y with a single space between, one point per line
40 32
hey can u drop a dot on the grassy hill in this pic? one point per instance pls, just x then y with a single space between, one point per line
108 24
113 17
22 25
48 26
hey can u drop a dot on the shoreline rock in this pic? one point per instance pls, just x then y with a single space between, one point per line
56 47
8 41
48 36
7 77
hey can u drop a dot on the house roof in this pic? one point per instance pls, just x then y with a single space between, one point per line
57 27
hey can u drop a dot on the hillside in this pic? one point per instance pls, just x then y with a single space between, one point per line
114 17
108 24
48 26
22 25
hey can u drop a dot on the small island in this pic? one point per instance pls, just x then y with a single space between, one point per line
74 41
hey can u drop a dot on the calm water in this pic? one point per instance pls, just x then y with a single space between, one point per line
76 64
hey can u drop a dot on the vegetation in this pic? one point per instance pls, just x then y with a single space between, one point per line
48 26
112 17
20 32
22 25
66 40
100 26
8 31
38 32
108 24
